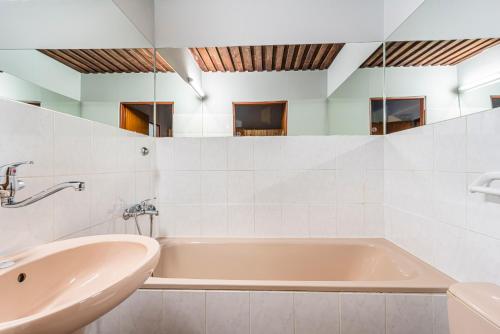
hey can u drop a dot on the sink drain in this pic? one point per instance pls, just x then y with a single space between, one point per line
21 277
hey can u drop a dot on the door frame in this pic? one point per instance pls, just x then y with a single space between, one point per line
423 108
284 120
124 104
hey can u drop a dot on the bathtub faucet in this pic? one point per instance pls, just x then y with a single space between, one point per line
143 208
10 184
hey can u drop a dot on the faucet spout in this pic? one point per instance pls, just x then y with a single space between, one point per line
11 203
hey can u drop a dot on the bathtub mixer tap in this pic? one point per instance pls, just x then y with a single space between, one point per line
143 208
10 184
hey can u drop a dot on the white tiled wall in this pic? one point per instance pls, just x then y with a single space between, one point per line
271 186
66 148
428 208
265 312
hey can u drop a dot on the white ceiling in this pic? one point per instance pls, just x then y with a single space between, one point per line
451 19
191 23
64 24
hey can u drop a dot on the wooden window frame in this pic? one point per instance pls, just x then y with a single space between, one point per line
423 109
284 120
122 111
494 97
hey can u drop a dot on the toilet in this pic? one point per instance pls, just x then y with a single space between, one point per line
474 308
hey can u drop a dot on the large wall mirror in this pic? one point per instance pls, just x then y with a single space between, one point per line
83 58
442 62
438 63
272 90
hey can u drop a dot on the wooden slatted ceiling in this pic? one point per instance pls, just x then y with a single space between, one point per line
429 53
109 60
266 58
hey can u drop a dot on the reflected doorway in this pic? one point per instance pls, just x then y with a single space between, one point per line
139 117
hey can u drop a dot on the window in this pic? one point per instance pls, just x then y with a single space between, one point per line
138 117
260 118
495 101
401 113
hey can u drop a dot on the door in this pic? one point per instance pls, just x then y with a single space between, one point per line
134 120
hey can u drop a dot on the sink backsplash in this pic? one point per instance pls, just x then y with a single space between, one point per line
66 148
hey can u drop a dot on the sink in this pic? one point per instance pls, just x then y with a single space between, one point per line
62 286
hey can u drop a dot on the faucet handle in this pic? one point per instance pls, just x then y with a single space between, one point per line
11 168
146 201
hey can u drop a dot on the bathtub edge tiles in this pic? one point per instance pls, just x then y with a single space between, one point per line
316 312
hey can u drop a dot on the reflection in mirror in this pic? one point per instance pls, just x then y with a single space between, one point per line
111 86
57 62
178 106
445 60
356 90
272 90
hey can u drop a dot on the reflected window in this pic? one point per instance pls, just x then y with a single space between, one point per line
260 118
495 101
139 117
401 113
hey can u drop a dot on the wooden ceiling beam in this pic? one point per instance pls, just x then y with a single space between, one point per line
89 61
105 54
60 56
476 52
331 55
119 58
414 47
246 51
436 60
198 59
226 59
309 56
278 58
425 48
289 57
237 60
163 61
378 54
444 49
268 57
257 58
318 58
402 49
470 51
299 60
129 60
148 61
419 61
206 59
216 59
138 62
98 58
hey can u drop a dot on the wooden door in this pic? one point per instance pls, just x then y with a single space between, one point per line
134 120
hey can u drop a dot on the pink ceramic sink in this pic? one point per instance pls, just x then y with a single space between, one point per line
62 286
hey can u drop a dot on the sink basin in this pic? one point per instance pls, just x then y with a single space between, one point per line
62 286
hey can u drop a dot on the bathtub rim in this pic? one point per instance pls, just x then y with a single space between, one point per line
434 281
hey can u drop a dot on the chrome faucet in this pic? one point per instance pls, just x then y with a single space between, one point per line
10 184
143 208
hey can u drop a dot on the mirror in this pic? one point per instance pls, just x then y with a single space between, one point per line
104 74
271 90
355 80
442 62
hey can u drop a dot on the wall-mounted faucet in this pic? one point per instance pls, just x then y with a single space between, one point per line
143 208
10 184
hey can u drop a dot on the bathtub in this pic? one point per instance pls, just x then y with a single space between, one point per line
352 265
